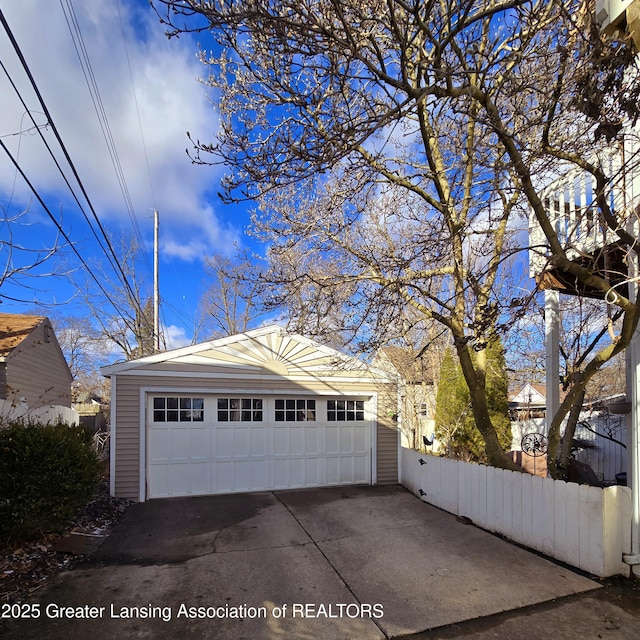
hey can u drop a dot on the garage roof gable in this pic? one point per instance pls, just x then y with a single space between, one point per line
268 350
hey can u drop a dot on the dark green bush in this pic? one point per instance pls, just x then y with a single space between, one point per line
46 473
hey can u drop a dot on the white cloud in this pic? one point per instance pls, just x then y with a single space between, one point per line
175 337
167 102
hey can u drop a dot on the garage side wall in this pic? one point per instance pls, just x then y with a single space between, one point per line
129 420
127 437
387 434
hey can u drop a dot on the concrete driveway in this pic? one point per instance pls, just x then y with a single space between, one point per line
352 562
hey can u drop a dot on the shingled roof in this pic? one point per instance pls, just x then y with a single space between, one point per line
14 329
409 364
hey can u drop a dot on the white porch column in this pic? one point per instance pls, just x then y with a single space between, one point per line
552 349
633 439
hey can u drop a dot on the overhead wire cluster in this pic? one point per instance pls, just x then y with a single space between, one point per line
91 217
101 113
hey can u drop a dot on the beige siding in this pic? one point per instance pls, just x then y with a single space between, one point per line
37 371
387 455
127 416
127 437
387 452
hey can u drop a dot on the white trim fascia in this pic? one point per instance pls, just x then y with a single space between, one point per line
261 391
154 373
112 440
119 367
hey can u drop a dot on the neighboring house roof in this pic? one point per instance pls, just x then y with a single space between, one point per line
411 366
86 397
531 394
14 329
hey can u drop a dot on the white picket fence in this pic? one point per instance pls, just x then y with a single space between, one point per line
607 458
586 527
48 413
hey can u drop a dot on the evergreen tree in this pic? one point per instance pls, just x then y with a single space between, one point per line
498 392
455 426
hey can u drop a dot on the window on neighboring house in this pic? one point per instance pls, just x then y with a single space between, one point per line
295 410
345 410
178 409
239 409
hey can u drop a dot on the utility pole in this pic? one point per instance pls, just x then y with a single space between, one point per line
156 287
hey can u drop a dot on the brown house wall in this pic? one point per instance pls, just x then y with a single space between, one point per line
127 416
37 371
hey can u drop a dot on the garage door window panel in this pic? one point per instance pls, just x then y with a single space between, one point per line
178 409
240 409
345 410
295 410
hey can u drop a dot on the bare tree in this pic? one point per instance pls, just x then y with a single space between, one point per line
395 147
585 325
125 319
20 264
85 350
229 305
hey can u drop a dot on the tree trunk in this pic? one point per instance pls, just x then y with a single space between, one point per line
567 439
476 381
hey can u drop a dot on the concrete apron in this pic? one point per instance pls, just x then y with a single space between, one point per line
352 562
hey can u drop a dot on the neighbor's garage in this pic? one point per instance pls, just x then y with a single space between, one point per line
258 411
207 444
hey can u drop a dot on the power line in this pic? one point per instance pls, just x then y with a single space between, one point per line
94 91
101 113
58 226
118 266
90 78
55 160
135 99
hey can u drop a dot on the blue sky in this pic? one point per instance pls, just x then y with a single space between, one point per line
151 96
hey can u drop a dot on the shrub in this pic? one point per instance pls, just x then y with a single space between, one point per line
46 473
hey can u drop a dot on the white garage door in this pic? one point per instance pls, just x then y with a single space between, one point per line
206 444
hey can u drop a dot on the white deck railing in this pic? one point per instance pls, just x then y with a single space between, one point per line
569 202
586 527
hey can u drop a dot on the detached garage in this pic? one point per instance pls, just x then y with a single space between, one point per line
259 411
